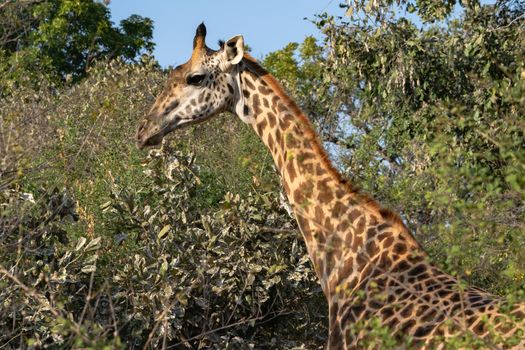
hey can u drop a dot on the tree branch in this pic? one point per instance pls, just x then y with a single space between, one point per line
4 4
392 159
268 229
239 323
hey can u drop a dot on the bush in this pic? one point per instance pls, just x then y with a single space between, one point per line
169 273
100 247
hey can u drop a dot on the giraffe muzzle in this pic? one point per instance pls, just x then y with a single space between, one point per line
149 134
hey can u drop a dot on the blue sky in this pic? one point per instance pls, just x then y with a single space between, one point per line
267 25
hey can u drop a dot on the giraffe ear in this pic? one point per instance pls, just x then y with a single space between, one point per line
234 50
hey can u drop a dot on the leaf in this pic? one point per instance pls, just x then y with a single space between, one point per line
65 258
168 291
163 267
89 269
92 259
94 244
276 268
164 231
106 205
81 242
250 279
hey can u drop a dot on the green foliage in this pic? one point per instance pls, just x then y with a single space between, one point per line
374 335
163 272
170 236
300 67
436 129
233 159
426 10
60 39
227 269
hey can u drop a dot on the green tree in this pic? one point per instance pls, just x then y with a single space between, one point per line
436 124
424 108
301 69
61 39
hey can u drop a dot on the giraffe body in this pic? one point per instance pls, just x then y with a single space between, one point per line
369 265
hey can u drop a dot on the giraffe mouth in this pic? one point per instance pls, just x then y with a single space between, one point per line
144 140
154 140
148 138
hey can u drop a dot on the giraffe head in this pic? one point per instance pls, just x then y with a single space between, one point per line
197 90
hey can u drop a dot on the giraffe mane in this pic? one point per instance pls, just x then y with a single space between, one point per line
315 141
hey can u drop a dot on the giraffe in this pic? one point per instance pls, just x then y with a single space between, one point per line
369 265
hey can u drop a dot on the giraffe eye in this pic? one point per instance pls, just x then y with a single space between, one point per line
196 79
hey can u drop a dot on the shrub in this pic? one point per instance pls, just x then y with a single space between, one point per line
169 273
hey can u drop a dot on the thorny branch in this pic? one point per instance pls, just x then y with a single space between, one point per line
244 321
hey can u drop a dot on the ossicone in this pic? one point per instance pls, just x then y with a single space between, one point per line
200 36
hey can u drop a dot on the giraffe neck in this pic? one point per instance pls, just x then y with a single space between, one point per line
347 234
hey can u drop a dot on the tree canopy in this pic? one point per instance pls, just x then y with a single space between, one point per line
61 39
427 113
